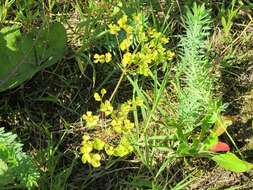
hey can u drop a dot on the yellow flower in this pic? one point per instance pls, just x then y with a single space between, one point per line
86 138
144 70
128 29
113 29
108 57
125 44
95 160
125 142
86 147
151 31
109 149
106 107
128 124
86 158
156 35
97 58
97 97
154 55
91 120
117 124
102 58
103 92
127 59
164 40
130 148
170 55
138 18
126 107
120 151
122 21
138 101
98 144
142 37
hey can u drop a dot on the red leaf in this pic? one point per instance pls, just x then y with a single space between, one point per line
220 147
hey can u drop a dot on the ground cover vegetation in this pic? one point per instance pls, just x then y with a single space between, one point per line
114 94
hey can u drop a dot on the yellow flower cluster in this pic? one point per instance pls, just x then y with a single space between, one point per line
90 149
114 29
120 122
141 47
104 58
117 128
87 148
91 120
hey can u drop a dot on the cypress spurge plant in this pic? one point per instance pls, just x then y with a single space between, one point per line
198 110
140 48
107 131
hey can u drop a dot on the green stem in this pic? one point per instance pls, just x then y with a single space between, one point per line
117 86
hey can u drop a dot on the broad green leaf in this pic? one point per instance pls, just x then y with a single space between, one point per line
231 162
23 55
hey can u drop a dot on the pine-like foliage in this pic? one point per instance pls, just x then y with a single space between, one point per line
196 105
15 165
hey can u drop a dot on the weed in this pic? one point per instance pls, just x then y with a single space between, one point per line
15 164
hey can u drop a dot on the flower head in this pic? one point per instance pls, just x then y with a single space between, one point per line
86 158
127 59
98 144
103 92
86 147
106 107
108 57
91 120
97 97
122 21
125 44
99 58
95 160
113 29
109 149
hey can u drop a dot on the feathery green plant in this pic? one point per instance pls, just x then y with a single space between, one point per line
15 165
198 108
196 105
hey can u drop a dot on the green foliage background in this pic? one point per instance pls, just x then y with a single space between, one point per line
48 77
